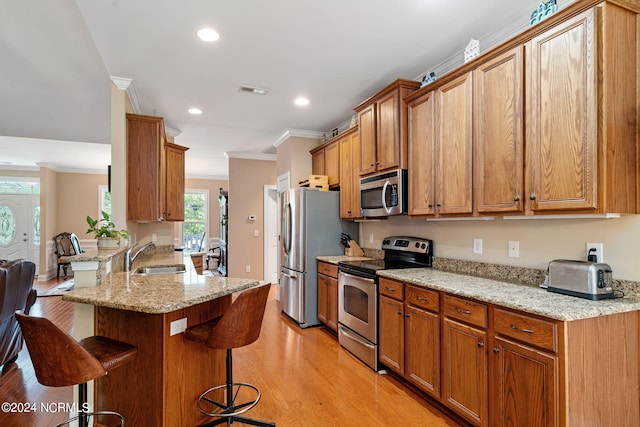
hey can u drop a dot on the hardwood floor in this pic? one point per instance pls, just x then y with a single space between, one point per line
305 377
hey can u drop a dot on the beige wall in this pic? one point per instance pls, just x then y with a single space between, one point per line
247 179
294 157
541 240
48 214
78 196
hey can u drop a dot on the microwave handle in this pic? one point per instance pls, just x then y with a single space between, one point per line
384 193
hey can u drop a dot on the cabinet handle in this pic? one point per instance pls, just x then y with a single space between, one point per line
430 205
461 311
532 197
407 316
496 350
400 312
389 289
419 298
480 344
516 199
438 204
528 331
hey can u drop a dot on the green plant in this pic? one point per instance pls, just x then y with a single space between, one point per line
104 227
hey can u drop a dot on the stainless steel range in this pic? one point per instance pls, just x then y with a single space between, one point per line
358 293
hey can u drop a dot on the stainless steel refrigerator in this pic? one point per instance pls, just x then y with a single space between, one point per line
311 226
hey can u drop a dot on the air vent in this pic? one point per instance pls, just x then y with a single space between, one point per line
254 90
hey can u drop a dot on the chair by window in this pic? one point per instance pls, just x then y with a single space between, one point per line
66 244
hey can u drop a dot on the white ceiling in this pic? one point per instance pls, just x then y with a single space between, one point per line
57 57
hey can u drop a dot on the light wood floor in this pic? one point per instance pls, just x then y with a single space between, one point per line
305 377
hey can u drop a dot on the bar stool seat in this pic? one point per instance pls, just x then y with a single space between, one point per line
239 326
59 360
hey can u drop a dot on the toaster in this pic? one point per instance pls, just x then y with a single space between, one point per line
585 279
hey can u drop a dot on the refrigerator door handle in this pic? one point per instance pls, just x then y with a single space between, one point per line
287 229
290 276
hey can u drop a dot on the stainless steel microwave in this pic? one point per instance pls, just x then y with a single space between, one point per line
384 194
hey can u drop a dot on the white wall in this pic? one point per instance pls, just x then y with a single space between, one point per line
541 240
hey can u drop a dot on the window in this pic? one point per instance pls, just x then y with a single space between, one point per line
105 200
196 204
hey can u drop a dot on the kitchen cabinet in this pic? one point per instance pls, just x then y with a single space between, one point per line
391 318
325 160
155 172
441 146
498 134
410 333
328 294
382 123
464 359
581 114
349 177
525 370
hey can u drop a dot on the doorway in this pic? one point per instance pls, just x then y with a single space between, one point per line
271 234
16 233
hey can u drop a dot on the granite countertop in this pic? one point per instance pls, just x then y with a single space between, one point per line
335 259
158 293
530 299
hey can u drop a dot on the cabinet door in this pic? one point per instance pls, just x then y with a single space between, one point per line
498 134
392 334
349 177
332 163
367 125
422 349
422 154
388 131
174 169
562 116
323 298
464 371
317 163
455 144
525 386
144 158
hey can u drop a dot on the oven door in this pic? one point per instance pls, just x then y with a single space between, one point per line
358 305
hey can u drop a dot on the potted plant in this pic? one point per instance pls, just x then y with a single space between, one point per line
105 231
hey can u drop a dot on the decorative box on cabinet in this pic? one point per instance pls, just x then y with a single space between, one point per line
382 123
155 172
325 160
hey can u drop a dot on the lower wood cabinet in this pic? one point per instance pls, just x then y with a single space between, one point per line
495 366
328 294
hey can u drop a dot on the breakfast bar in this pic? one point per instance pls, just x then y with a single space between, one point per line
150 311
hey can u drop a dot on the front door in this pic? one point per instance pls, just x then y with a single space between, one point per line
14 226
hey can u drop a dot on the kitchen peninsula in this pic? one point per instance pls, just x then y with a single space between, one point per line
161 386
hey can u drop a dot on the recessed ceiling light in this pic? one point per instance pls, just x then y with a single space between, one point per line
301 101
208 35
195 111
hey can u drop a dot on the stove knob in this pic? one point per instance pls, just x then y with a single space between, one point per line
424 245
385 242
417 245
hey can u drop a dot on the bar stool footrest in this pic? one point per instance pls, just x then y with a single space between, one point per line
230 409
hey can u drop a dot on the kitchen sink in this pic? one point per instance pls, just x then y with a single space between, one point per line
154 270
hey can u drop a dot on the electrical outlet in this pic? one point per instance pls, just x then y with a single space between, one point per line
598 251
247 268
514 249
477 246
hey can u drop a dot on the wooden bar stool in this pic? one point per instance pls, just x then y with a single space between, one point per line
238 327
59 360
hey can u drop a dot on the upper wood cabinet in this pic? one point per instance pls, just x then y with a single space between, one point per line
581 114
498 134
325 160
382 122
440 146
349 177
155 172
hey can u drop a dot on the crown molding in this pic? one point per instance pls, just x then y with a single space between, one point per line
289 133
250 156
127 85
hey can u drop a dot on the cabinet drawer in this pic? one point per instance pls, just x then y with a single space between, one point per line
391 289
465 310
529 330
422 298
328 269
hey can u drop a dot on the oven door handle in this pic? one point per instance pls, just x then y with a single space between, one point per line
352 276
357 338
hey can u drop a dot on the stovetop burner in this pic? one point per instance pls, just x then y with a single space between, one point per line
399 252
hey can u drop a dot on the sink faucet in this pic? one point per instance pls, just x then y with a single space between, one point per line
128 258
